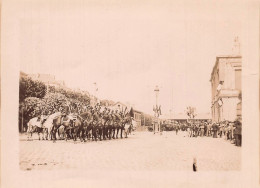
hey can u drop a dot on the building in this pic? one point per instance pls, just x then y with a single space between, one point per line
47 79
226 88
122 107
183 118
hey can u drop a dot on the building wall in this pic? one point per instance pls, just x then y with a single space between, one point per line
225 88
137 118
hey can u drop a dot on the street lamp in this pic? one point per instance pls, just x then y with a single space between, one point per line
156 109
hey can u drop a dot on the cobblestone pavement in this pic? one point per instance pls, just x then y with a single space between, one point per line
141 151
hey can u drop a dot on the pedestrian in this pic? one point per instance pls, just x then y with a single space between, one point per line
237 133
215 128
177 129
202 130
194 165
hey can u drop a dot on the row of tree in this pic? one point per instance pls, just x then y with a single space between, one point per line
36 98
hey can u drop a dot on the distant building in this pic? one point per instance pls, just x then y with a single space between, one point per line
121 108
47 79
226 88
183 118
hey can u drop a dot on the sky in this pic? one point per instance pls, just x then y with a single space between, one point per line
129 47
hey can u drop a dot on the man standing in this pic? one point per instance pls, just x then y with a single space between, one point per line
177 128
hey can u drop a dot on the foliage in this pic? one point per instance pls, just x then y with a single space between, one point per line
53 102
29 108
31 88
73 95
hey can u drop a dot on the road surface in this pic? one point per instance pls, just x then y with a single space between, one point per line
141 151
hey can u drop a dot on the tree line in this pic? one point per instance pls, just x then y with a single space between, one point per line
36 98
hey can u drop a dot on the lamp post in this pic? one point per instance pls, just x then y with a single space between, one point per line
156 109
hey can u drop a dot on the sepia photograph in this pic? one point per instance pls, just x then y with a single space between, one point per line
129 89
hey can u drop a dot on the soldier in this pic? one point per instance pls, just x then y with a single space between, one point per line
95 123
114 124
122 124
117 122
104 122
109 123
87 123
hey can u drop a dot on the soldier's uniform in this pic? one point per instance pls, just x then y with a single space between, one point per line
87 126
104 123
117 123
110 124
95 124
113 124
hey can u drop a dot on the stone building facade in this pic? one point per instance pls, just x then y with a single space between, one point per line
226 88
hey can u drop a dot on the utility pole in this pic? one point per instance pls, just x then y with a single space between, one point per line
156 110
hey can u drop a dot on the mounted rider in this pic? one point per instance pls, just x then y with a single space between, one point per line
118 121
105 119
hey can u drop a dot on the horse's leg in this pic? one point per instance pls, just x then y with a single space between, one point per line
114 132
28 135
39 134
31 134
121 132
100 133
104 133
81 134
117 129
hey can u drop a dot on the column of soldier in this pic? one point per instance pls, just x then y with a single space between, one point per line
96 124
229 130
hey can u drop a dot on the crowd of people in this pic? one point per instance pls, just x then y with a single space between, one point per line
228 130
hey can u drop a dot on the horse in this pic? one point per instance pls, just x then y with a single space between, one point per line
128 125
35 125
77 127
49 124
86 126
66 123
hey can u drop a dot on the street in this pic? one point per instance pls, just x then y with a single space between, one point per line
141 151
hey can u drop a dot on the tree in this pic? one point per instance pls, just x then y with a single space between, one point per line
31 88
53 102
76 96
29 108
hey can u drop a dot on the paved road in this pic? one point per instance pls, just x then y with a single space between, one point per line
142 151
